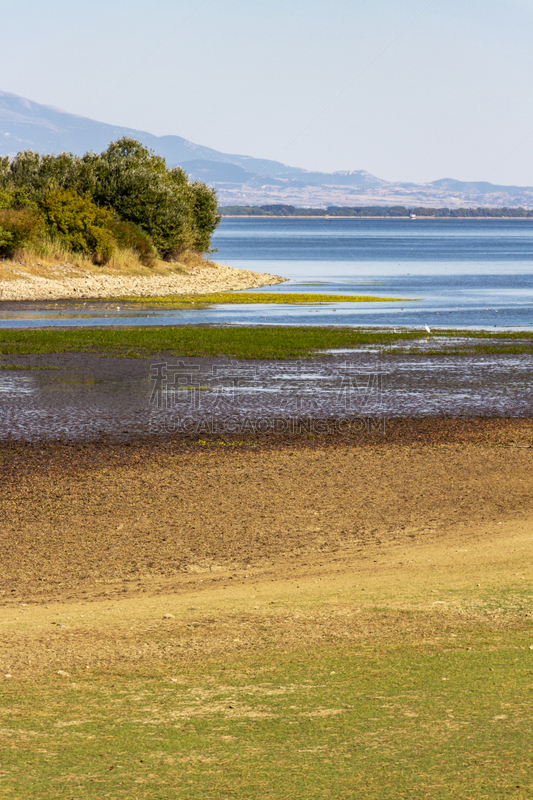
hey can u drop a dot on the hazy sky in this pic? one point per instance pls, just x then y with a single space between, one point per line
406 89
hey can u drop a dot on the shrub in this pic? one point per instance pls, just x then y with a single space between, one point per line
79 223
6 199
18 228
131 236
6 242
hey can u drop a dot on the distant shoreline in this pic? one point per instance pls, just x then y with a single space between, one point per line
279 210
352 216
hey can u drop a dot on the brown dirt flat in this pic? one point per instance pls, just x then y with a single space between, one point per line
268 544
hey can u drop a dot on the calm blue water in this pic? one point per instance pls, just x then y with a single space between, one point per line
462 273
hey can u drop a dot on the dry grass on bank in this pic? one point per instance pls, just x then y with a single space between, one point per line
50 260
51 273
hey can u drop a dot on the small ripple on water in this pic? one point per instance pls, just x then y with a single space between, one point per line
15 385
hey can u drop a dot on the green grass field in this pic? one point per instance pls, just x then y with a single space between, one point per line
241 342
449 717
389 660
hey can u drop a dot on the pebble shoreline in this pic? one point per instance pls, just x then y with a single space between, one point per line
203 280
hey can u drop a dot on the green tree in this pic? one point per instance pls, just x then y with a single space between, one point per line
205 215
177 215
37 174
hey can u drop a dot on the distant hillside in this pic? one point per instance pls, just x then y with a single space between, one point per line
28 125
240 179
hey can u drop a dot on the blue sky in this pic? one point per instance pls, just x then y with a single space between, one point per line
408 90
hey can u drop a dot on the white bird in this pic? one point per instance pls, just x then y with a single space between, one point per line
428 329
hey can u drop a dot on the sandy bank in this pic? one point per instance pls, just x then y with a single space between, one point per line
67 282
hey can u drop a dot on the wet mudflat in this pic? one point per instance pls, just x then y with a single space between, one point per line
67 312
84 397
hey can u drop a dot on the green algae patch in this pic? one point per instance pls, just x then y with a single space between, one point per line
262 298
256 342
266 342
24 366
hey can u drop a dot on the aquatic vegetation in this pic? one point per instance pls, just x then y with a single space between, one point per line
24 367
277 342
264 342
282 298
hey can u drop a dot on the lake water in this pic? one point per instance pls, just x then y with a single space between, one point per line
459 274
463 273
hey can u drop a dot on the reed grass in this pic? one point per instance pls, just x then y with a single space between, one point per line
48 257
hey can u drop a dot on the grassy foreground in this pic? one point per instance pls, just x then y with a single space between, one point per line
442 718
302 623
278 342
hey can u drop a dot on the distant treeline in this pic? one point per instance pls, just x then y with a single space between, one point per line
279 210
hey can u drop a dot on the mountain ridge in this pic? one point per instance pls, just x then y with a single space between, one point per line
239 179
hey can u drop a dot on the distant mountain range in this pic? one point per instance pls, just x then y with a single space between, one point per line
241 180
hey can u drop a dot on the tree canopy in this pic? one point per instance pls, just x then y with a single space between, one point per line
126 194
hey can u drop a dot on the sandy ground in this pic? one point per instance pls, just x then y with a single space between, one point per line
137 553
17 282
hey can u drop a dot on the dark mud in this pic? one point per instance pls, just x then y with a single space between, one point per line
87 397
